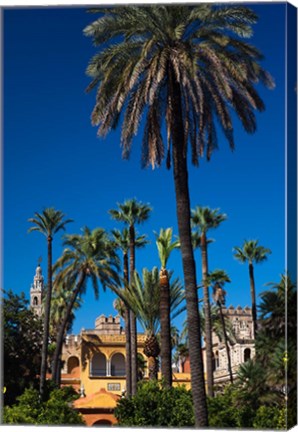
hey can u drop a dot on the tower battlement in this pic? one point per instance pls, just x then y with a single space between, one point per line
238 311
108 325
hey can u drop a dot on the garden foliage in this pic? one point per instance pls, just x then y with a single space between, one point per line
154 405
56 410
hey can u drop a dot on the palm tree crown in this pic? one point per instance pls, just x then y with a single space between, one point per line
49 222
251 252
201 45
218 278
165 245
277 304
204 218
91 255
131 212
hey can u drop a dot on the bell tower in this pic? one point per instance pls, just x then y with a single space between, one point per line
36 292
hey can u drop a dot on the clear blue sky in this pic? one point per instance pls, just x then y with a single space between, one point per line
52 157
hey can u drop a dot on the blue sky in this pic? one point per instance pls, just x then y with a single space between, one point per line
52 157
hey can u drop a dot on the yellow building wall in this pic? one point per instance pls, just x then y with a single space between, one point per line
89 343
107 345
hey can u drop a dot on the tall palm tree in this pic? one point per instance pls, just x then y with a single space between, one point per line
143 297
132 212
165 246
252 253
89 256
185 64
48 222
203 219
218 278
122 242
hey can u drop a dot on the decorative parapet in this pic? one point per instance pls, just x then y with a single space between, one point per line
96 337
239 310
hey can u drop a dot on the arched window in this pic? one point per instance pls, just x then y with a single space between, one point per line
246 354
98 365
35 301
118 365
72 364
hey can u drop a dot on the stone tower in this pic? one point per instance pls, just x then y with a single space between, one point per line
36 292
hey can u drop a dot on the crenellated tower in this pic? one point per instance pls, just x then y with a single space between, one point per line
36 292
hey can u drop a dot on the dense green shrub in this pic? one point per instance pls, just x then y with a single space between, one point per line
154 405
235 407
221 412
270 417
56 410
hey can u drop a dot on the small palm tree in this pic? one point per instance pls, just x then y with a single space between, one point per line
203 219
252 253
274 302
122 241
89 256
131 213
143 297
165 246
218 278
49 222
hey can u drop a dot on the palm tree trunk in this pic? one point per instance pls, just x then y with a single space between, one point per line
133 340
183 216
153 368
253 298
223 324
127 351
208 332
60 337
165 328
133 321
44 352
127 331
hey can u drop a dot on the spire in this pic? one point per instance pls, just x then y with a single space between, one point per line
38 279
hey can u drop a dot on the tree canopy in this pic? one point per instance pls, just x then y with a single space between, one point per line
22 341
